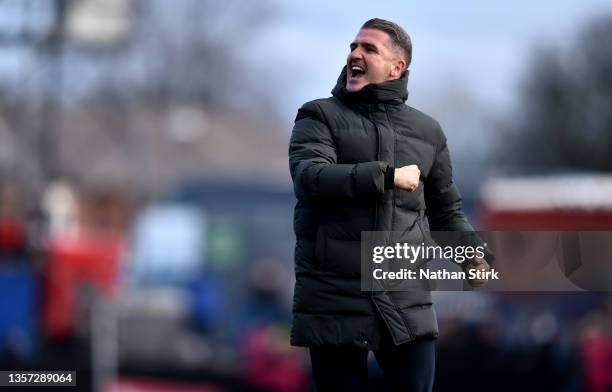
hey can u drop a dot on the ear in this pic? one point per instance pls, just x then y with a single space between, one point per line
398 68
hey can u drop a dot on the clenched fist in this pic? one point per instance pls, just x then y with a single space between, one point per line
407 177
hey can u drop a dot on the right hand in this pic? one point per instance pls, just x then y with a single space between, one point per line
407 177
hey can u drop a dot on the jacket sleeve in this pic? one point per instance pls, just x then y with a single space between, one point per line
314 167
442 198
443 202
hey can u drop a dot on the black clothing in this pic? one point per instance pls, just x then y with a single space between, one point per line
407 367
342 153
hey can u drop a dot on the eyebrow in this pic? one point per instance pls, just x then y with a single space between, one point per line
367 45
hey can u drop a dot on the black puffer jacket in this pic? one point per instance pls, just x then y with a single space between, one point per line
342 153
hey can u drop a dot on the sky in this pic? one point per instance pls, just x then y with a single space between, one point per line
479 49
466 54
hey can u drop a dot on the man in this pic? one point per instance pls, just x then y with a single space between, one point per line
362 160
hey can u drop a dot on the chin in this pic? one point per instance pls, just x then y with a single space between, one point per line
354 88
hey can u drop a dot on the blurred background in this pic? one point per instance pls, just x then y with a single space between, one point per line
146 206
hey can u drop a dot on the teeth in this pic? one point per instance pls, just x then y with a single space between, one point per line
356 70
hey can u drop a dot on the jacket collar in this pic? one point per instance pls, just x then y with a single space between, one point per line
391 92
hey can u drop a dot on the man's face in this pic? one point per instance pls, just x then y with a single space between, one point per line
372 60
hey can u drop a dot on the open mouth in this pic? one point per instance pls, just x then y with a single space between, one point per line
357 71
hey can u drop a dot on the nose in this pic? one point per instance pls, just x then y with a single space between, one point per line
356 54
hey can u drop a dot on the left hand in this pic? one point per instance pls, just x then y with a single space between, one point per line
478 263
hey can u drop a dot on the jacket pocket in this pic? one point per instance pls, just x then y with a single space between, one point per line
420 320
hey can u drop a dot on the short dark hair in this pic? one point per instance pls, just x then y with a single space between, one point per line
398 36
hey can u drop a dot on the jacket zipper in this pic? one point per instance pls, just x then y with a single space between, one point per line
378 154
408 330
394 161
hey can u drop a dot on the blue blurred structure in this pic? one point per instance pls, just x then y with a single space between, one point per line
19 309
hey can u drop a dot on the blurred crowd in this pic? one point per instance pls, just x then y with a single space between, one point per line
190 294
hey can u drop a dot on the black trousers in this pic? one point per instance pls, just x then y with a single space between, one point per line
408 367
